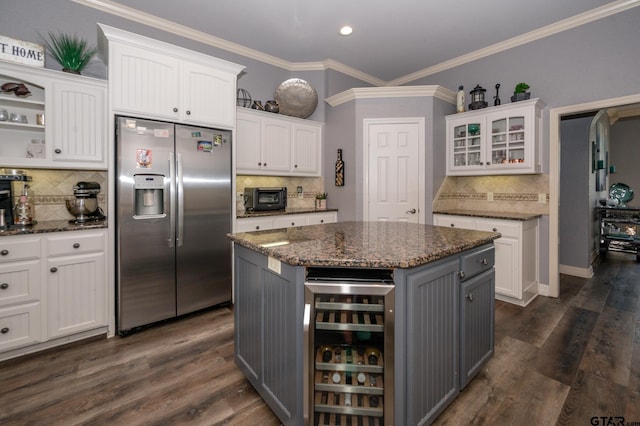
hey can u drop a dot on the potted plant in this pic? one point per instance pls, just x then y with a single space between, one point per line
321 200
72 52
520 92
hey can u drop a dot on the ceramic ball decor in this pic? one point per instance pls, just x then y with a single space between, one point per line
296 98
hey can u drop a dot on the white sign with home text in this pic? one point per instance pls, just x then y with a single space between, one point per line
22 52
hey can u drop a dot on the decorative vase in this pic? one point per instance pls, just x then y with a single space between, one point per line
321 204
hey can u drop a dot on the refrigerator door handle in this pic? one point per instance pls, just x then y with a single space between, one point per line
180 238
172 201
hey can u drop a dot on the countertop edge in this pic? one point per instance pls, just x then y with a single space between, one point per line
49 226
523 217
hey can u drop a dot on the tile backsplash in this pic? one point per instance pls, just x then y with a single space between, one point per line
510 193
310 187
50 188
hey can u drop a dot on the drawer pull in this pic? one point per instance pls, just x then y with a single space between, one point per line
469 297
484 261
462 274
4 252
293 224
495 229
175 109
54 269
4 286
4 330
321 220
76 245
188 112
257 226
57 151
452 225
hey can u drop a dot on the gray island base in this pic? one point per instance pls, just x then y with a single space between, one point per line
372 323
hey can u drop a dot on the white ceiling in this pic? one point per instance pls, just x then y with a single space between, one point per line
391 39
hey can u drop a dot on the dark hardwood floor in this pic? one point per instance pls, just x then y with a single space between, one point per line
557 361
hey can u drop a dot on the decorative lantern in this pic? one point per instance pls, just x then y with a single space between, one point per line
243 98
477 98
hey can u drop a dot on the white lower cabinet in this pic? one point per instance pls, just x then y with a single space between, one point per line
516 252
248 224
51 286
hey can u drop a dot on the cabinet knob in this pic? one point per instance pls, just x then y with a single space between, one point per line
175 110
495 229
259 164
265 164
4 330
452 225
484 261
57 151
295 166
469 297
76 245
488 163
257 226
188 112
293 224
54 269
462 274
4 286
4 252
321 220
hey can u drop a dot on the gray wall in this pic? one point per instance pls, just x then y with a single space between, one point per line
625 155
575 172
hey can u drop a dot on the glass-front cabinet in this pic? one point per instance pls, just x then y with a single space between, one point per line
496 140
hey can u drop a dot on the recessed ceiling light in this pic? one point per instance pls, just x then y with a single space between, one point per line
346 30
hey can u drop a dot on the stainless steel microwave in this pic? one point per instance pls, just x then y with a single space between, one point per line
261 199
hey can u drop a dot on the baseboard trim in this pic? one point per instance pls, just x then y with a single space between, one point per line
575 271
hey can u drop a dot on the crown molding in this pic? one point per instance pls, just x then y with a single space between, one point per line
537 34
138 16
438 92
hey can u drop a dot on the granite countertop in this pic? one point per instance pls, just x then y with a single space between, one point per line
490 215
363 244
293 210
45 226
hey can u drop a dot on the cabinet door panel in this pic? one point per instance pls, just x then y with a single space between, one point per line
306 148
248 143
254 224
477 316
19 282
76 300
276 146
508 281
22 324
146 82
204 95
79 123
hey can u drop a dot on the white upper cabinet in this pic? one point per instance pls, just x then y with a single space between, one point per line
495 140
71 132
153 79
79 123
272 144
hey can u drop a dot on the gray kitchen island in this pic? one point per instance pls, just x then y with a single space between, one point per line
362 323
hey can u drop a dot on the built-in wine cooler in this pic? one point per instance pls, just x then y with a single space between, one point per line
349 322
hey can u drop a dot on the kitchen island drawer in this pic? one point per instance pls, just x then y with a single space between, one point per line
478 261
18 248
19 282
505 228
19 326
75 243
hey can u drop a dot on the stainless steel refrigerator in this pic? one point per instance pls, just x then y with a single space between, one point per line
173 205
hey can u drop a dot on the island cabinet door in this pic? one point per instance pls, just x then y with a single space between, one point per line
268 330
432 340
477 302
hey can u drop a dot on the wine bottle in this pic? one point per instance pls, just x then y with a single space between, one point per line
339 170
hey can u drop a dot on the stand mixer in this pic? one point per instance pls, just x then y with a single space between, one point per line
85 206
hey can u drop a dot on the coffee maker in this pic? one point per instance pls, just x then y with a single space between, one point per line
7 177
85 206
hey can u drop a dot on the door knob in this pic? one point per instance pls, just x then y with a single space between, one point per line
412 211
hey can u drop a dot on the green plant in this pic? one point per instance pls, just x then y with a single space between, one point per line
321 196
72 52
521 88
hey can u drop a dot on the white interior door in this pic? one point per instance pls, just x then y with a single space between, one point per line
394 164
